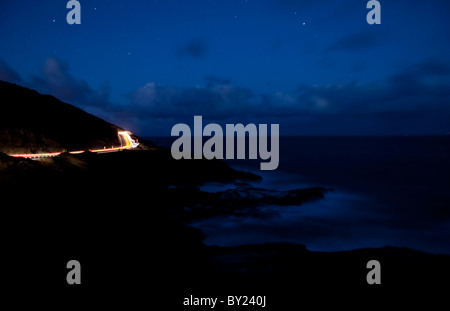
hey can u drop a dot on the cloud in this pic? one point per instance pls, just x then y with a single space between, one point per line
401 94
55 79
194 48
431 67
404 102
414 100
215 80
218 99
8 74
356 42
290 5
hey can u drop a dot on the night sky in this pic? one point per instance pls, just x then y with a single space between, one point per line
314 67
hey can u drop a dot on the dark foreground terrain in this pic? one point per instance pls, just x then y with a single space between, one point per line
124 216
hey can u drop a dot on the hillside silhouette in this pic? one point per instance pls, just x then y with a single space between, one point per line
33 123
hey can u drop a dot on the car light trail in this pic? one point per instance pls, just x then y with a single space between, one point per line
129 143
36 155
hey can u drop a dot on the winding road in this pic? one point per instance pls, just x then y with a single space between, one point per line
124 135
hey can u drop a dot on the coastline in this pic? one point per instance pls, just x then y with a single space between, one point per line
143 237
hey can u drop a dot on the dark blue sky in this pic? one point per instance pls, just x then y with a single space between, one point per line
314 67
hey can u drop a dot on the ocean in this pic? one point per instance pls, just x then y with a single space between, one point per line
384 191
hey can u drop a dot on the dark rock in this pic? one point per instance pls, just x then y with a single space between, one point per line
242 201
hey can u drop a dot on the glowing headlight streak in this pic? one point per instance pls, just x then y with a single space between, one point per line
36 155
129 143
